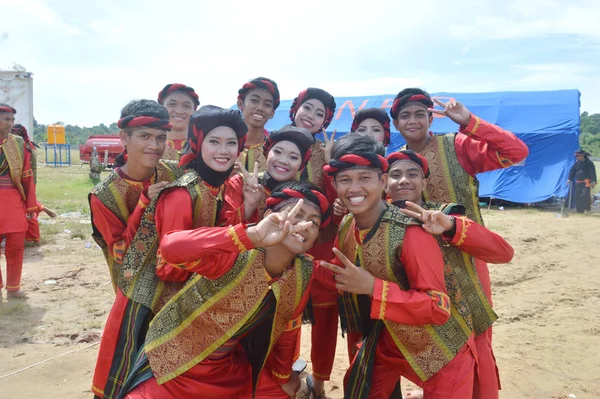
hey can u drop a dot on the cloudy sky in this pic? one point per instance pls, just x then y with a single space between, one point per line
89 58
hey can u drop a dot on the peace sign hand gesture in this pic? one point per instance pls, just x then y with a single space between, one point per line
453 110
434 222
351 278
252 190
276 227
328 144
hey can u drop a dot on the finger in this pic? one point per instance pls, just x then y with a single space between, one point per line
286 228
325 136
414 207
255 170
412 214
295 209
245 173
439 102
333 134
334 268
298 227
342 258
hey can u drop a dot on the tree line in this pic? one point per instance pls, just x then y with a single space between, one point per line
589 137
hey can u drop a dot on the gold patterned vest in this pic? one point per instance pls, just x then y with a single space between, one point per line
121 197
14 153
448 182
137 277
252 154
205 314
427 348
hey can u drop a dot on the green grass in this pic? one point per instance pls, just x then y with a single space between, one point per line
596 189
64 189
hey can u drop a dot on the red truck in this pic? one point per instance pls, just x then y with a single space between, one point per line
112 143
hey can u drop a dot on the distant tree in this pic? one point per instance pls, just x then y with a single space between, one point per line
589 137
75 134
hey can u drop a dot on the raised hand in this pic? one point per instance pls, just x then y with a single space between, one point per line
274 228
434 222
328 144
351 278
338 208
453 110
154 189
252 190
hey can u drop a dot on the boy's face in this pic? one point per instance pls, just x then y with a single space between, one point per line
7 120
406 182
302 242
360 189
257 108
413 122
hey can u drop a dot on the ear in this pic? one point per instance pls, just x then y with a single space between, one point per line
124 137
240 104
430 119
383 180
395 122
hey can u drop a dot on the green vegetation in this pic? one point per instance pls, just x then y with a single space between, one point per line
589 137
74 134
64 189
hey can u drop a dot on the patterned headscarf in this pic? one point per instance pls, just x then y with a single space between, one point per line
299 136
172 87
317 94
375 113
261 83
408 155
407 96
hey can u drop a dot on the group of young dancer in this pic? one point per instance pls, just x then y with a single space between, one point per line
223 238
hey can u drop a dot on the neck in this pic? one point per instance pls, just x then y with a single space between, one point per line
368 219
255 136
277 259
417 146
177 135
136 171
3 136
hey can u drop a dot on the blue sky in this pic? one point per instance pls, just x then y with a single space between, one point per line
89 58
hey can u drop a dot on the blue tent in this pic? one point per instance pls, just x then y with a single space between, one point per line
547 121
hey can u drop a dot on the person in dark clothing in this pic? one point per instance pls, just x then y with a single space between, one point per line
583 173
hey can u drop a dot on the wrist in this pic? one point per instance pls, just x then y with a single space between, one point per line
450 231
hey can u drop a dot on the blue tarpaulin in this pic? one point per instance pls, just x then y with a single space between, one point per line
547 121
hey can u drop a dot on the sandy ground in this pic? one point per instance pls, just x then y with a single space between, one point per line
547 340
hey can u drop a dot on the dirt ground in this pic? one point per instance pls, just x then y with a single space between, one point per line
547 340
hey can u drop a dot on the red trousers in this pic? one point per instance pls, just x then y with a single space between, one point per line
226 378
33 229
14 250
487 380
454 381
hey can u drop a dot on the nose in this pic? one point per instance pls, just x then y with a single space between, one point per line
154 144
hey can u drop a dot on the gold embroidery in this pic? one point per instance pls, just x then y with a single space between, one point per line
384 292
463 231
281 376
236 240
476 127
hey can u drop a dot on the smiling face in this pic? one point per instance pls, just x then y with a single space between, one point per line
180 107
302 242
360 189
413 122
219 149
283 161
257 108
7 120
145 146
406 182
372 127
311 115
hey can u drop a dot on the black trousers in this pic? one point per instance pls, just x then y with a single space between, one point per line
583 198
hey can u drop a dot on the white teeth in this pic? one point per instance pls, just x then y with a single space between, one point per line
299 237
258 117
356 200
280 169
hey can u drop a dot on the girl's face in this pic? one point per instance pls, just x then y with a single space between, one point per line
283 161
180 107
219 149
311 115
372 127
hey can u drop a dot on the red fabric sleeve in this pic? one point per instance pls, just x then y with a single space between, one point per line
482 146
480 242
426 302
209 251
232 212
324 275
28 183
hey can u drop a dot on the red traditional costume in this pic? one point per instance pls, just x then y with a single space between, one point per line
173 149
229 323
411 325
117 206
454 160
17 189
254 153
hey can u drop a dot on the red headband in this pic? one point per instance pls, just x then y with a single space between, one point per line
353 160
313 196
399 103
170 88
8 109
407 155
144 121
